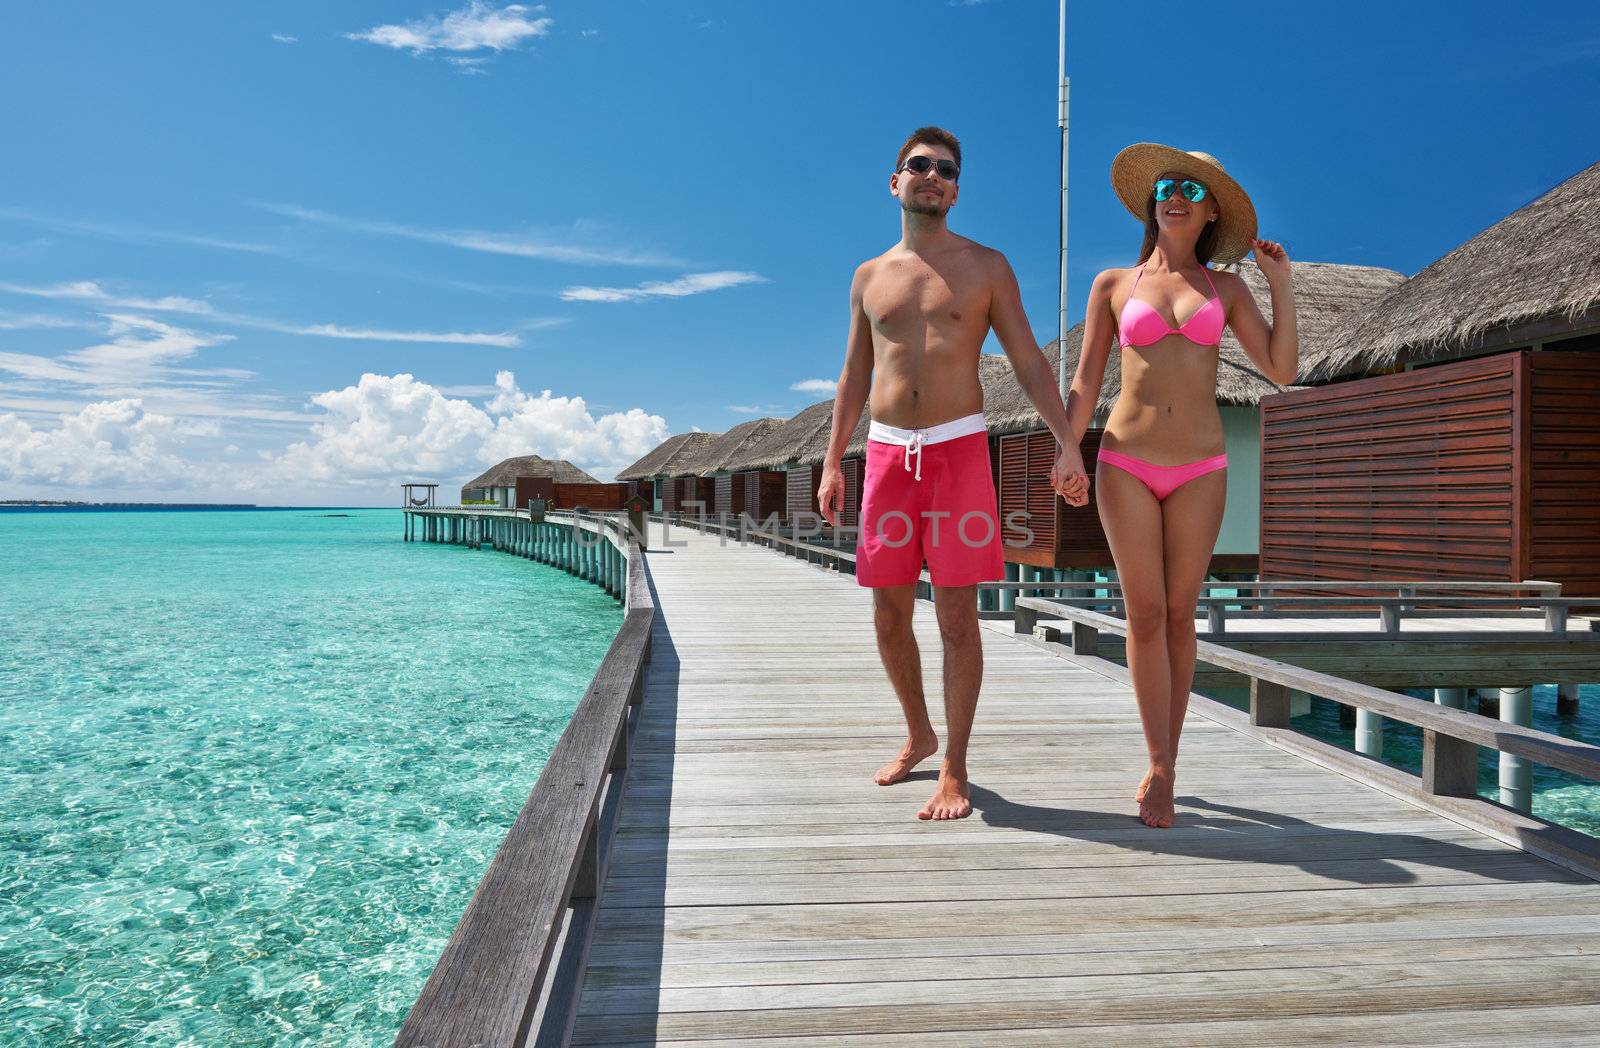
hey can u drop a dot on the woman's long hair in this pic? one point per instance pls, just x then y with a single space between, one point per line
1204 248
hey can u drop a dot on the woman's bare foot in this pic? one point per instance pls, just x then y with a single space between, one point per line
1156 809
949 800
915 751
1144 784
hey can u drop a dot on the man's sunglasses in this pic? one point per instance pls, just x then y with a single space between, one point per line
1192 191
921 165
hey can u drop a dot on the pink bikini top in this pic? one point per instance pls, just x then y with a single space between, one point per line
1141 324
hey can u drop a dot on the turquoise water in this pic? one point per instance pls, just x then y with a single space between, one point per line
1557 796
253 764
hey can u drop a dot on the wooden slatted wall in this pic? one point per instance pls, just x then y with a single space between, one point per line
1409 475
1564 471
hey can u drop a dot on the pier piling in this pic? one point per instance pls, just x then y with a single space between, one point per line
1516 773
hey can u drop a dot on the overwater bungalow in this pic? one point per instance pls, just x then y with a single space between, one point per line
684 489
795 451
667 476
1472 449
1066 537
512 481
756 492
646 477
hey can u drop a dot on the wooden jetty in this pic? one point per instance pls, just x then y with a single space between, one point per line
705 860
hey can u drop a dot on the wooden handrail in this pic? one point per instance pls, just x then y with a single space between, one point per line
485 988
1450 737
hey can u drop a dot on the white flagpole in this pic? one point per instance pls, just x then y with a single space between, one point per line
1063 102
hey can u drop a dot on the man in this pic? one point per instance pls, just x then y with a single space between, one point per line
919 314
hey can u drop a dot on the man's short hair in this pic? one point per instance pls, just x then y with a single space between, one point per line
930 136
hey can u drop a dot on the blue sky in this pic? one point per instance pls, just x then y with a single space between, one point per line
216 219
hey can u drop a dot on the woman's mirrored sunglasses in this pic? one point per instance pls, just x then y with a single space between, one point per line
1192 191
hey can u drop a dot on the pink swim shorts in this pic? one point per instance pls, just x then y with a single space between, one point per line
929 495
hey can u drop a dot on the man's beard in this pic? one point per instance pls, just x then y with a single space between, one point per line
916 207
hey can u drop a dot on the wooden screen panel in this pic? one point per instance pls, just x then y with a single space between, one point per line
1408 475
765 493
854 470
534 488
1564 471
697 490
590 496
670 490
728 493
1026 497
801 485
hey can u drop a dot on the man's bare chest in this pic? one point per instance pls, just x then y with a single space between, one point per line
904 305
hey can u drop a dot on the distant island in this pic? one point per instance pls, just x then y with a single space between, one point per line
36 503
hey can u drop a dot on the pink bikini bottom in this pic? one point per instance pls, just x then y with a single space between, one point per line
1163 480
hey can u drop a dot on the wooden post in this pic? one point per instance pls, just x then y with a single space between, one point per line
1216 621
1516 773
619 748
1023 620
1085 639
1389 617
1449 766
1567 700
1269 704
586 885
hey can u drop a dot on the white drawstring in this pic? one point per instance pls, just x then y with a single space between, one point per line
914 444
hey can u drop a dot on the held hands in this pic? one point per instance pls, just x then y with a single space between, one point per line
1272 259
1068 477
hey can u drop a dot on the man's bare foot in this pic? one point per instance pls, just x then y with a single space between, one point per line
913 753
1156 809
950 800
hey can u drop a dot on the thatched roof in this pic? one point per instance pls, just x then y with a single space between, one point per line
650 465
682 461
780 444
1325 296
729 447
504 474
1541 261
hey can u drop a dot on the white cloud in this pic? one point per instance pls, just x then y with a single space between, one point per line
116 443
138 234
386 425
692 284
589 34
285 38
475 27
90 291
565 427
24 321
815 385
458 338
145 360
490 242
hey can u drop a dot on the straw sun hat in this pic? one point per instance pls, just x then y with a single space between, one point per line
1137 167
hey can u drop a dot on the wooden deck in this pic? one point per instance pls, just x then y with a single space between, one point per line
760 889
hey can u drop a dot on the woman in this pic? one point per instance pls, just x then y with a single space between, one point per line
1162 468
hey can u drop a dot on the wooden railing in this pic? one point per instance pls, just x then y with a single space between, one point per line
1415 600
544 882
1451 738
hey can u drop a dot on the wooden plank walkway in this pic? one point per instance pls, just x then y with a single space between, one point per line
761 889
